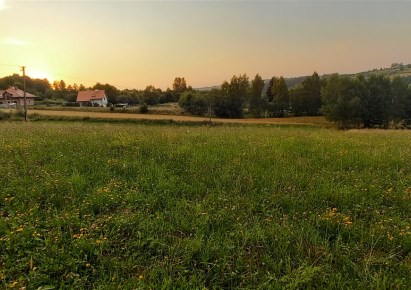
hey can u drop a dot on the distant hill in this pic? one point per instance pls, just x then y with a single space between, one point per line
396 69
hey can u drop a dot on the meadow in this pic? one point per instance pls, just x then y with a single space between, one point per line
157 206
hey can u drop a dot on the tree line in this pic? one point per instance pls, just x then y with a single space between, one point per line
60 90
351 102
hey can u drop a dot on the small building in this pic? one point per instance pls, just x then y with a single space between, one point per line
95 98
14 96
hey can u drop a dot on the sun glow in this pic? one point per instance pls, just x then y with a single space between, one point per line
38 74
2 5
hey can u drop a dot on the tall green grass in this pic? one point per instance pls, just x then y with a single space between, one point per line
122 206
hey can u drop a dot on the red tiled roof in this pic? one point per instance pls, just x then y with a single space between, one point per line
15 93
87 96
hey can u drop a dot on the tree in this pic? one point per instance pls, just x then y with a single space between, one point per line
256 100
341 102
269 92
194 102
312 94
111 91
298 101
401 101
228 102
281 98
151 95
179 85
377 102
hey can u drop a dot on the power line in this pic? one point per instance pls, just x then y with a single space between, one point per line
10 65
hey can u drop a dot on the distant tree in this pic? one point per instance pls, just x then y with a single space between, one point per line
377 103
305 99
281 98
111 91
400 101
229 100
269 92
62 85
168 96
179 85
151 95
194 102
341 103
312 94
298 101
256 100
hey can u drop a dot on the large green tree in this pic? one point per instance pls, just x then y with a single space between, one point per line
229 100
151 95
377 103
401 101
342 104
305 99
281 98
256 100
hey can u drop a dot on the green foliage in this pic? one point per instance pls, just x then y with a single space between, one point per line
151 95
111 91
269 92
195 103
280 98
194 207
143 109
257 103
361 102
228 102
4 115
305 99
179 85
342 101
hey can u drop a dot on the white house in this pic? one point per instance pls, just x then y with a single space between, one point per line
96 97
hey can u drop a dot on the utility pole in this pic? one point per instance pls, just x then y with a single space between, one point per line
23 68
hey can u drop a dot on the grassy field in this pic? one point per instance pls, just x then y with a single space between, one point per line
129 206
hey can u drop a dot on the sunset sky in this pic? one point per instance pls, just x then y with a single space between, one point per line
131 44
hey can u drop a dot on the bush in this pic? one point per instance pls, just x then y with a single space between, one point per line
144 109
112 108
4 116
71 104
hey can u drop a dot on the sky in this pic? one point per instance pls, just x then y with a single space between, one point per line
132 44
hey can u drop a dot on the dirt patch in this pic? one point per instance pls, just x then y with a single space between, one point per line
314 121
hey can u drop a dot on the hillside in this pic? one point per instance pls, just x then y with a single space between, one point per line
396 69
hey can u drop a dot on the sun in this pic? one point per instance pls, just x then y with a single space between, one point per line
2 5
38 74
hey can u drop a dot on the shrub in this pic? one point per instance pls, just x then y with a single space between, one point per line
144 109
4 116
